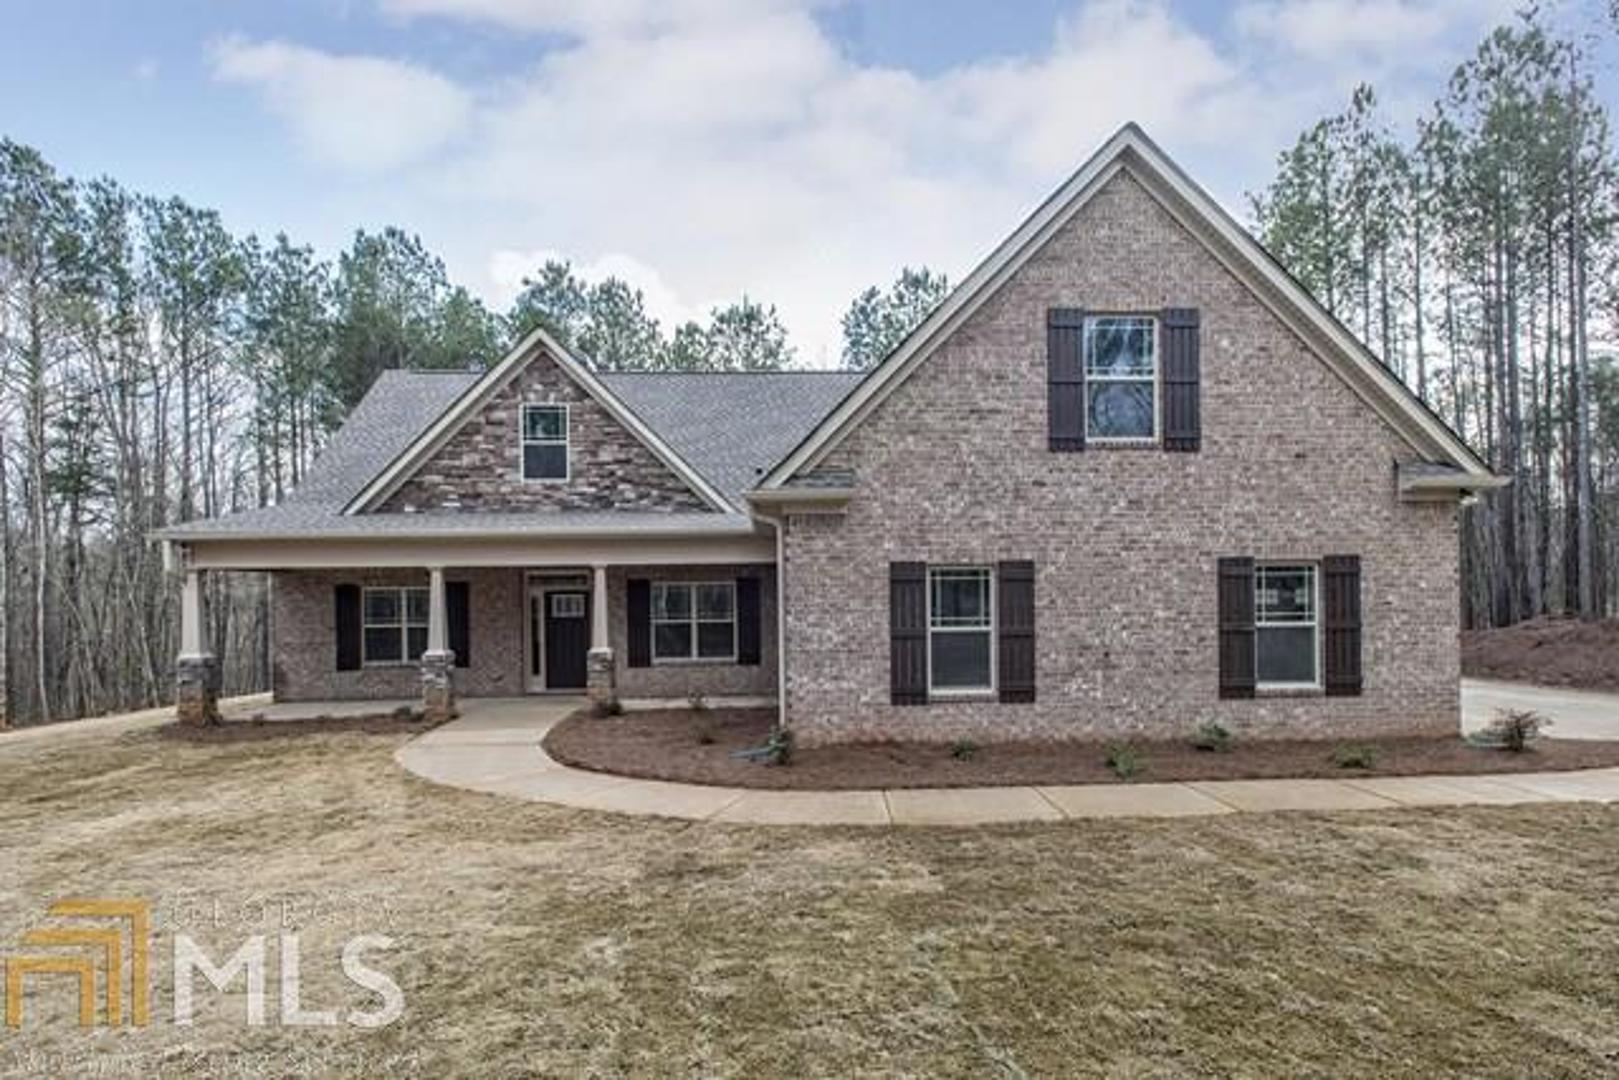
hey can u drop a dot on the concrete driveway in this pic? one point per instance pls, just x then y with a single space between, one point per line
1575 714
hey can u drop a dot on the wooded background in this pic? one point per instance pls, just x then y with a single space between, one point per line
154 368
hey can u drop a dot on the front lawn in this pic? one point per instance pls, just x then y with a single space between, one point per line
533 940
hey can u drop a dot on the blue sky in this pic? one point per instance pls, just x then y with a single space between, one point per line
793 149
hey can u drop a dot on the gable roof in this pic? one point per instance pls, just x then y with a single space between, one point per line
538 342
730 427
1130 149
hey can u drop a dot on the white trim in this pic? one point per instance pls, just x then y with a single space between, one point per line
404 465
694 622
936 693
1129 148
524 442
1156 378
1318 639
404 625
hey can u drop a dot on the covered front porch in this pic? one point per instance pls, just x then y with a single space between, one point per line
631 620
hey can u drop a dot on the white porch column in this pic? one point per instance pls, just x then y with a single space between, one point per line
192 615
438 663
438 637
598 608
196 670
601 681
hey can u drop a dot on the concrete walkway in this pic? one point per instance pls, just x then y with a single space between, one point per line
495 748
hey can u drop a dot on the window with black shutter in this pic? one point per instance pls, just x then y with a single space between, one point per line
1015 631
1236 616
1340 604
908 633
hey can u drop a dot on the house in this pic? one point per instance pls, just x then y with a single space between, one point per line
1127 479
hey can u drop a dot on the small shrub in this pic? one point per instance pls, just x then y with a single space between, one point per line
779 747
1212 737
963 749
1354 757
698 702
1513 730
610 707
1123 761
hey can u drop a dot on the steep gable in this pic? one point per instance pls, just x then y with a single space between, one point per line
479 467
1129 153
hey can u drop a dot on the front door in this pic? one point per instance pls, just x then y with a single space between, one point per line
567 638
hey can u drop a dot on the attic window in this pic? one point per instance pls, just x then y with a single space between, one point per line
1121 379
545 442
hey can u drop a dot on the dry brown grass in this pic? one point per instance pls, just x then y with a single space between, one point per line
540 940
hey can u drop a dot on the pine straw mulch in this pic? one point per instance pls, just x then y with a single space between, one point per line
698 747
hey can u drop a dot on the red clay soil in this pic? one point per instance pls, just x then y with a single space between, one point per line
696 748
1551 651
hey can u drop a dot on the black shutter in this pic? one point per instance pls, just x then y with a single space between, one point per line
908 633
1065 379
1237 628
346 604
1181 368
747 620
457 616
1340 596
638 606
1015 616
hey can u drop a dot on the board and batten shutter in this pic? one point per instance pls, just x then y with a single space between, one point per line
1181 364
748 617
908 633
1236 608
1015 631
458 621
346 609
1340 603
638 609
1065 379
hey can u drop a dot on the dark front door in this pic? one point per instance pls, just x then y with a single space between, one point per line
567 639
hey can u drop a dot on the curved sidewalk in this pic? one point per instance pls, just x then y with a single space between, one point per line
495 748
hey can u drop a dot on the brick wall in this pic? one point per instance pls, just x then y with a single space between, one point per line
304 638
953 468
481 467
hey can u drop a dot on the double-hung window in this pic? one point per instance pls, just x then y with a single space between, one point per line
545 442
1121 378
394 625
1285 626
694 621
960 629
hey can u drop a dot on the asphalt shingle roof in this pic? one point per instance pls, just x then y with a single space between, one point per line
730 427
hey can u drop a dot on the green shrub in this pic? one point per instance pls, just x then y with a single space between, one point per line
610 707
1512 730
1354 757
1212 737
779 747
698 702
963 749
1123 761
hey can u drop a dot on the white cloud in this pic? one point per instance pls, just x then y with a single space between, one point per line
708 148
358 112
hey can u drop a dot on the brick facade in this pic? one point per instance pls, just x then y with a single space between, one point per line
304 638
954 468
481 469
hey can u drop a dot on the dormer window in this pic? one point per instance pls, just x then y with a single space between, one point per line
545 442
1121 379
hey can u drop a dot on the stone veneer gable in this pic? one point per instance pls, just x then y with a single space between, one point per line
953 467
480 467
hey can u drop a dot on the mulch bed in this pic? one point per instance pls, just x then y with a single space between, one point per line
1551 651
400 722
696 748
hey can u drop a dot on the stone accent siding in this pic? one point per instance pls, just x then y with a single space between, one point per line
683 680
304 638
481 467
953 468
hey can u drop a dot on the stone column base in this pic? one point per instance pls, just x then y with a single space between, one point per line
196 689
438 685
601 680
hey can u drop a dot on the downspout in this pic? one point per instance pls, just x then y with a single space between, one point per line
779 523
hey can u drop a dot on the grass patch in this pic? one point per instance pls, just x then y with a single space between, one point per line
536 940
